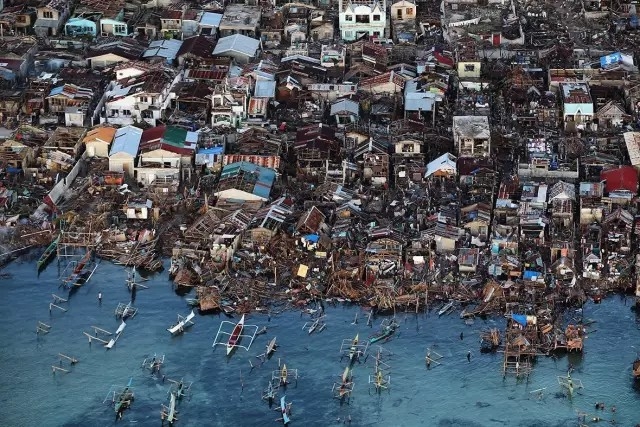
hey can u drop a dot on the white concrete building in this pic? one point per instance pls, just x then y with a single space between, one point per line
137 99
360 17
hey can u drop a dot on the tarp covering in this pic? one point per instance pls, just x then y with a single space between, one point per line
313 238
520 318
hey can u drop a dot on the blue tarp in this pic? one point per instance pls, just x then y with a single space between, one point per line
313 238
520 318
528 274
612 59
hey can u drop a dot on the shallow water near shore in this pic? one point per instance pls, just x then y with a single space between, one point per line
226 391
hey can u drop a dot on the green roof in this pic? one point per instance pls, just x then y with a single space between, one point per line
175 136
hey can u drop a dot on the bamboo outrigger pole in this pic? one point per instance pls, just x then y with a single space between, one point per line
72 360
52 305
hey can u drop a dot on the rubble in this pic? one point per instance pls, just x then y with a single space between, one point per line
485 154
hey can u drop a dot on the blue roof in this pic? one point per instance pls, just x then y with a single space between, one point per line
126 140
265 176
211 150
211 19
56 90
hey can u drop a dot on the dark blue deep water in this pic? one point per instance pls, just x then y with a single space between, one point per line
226 392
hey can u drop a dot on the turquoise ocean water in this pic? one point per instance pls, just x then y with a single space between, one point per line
227 392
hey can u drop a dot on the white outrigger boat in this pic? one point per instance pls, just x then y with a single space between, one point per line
317 325
168 413
570 384
447 307
112 341
271 347
118 332
124 311
183 322
239 331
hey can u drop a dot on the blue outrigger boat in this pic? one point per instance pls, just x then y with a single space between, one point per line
387 330
48 253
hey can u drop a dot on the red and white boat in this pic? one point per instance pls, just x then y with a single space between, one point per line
234 338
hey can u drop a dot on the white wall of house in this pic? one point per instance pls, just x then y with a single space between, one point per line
97 148
371 19
134 108
121 162
407 147
167 158
113 27
403 11
147 176
469 69
74 118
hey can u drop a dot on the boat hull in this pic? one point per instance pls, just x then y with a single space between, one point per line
234 338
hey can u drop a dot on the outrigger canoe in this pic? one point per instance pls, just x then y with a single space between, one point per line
48 253
283 407
386 332
271 347
235 335
283 375
354 348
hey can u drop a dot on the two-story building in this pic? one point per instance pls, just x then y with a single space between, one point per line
240 19
358 18
472 136
577 103
51 16
89 14
139 98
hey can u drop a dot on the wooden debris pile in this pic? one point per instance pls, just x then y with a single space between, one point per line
208 298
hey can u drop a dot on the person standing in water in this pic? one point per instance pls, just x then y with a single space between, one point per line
100 298
469 356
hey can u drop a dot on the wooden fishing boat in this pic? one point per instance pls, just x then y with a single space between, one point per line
271 347
124 399
285 411
48 253
79 271
182 323
385 333
354 348
448 306
283 375
235 335
345 375
269 394
636 369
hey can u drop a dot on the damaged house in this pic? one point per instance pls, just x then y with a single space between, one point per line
141 98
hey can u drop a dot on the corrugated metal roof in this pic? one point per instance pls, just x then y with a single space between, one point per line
265 176
175 136
219 149
265 89
105 134
127 140
167 49
237 43
210 19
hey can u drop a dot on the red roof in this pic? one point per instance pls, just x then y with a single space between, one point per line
152 134
622 178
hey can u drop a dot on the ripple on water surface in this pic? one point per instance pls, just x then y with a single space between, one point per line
226 392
